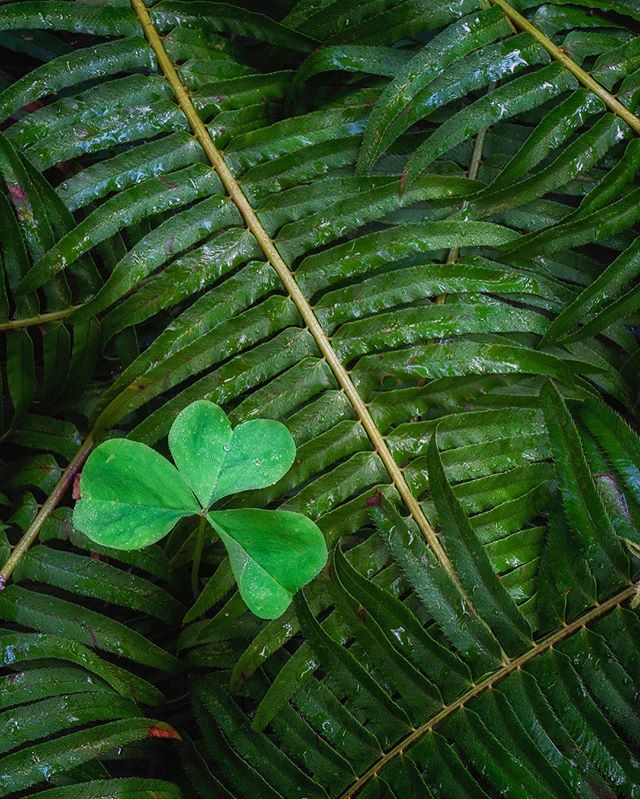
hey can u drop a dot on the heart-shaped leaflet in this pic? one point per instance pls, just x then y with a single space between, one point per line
131 497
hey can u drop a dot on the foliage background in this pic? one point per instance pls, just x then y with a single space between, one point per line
456 358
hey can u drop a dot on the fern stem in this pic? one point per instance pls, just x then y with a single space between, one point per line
272 254
472 174
50 504
589 82
34 321
542 646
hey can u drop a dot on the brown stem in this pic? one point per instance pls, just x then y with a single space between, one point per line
34 321
305 310
51 503
544 645
589 82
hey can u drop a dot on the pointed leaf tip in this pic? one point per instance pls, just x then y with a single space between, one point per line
164 731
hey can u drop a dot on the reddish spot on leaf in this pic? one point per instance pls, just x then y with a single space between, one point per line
75 491
95 556
403 180
376 500
92 635
164 732
165 182
17 193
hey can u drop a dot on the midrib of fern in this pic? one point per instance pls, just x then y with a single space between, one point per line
273 256
34 321
50 504
516 20
558 54
453 256
539 648
305 310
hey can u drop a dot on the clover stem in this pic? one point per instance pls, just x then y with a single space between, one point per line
197 557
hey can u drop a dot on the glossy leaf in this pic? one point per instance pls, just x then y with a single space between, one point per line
199 443
272 555
131 288
583 506
131 496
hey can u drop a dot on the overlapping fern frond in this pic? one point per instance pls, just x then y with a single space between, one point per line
388 224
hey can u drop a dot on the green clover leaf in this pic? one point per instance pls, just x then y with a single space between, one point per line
131 497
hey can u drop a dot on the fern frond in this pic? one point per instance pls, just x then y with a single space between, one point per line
377 222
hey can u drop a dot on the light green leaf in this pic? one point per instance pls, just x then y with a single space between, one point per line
131 496
199 443
217 462
261 451
272 554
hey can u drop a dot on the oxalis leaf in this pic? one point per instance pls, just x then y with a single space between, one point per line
131 496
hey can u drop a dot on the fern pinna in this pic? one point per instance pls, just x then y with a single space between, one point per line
408 232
